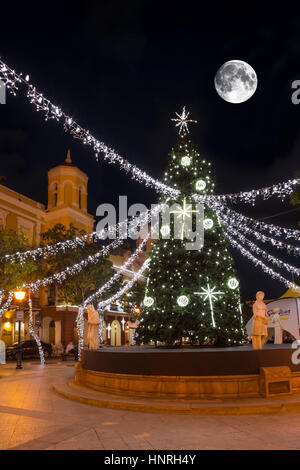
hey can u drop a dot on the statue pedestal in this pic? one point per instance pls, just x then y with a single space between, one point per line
275 381
190 373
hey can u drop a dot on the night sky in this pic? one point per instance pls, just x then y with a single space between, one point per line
122 69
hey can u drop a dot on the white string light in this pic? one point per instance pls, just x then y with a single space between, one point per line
33 332
126 287
101 326
256 249
109 232
116 276
80 330
259 263
6 303
229 215
265 239
75 268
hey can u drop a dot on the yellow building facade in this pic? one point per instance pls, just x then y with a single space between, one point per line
67 197
67 204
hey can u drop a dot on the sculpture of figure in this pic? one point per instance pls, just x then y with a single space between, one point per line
93 327
260 321
277 326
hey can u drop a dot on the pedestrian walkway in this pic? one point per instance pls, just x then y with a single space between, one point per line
32 416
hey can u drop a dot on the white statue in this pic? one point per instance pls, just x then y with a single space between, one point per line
260 321
277 326
93 327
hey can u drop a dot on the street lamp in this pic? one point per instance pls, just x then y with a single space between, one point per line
19 296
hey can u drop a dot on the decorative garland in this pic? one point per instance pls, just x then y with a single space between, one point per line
228 215
75 268
7 303
254 248
111 231
259 263
119 274
32 331
126 287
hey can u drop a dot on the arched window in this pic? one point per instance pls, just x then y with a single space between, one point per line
55 195
68 193
2 221
79 197
115 334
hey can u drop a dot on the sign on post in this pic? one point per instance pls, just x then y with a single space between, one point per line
20 315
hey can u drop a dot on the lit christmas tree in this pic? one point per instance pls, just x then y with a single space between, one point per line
191 295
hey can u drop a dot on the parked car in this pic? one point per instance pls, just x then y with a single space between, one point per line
29 349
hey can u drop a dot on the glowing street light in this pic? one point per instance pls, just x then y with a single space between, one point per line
19 295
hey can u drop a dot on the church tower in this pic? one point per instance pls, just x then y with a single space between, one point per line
67 197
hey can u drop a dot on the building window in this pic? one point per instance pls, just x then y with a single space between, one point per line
51 294
2 223
79 197
55 195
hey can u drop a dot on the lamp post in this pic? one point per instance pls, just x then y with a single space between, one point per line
19 296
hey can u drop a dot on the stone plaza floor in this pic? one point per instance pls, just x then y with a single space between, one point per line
32 416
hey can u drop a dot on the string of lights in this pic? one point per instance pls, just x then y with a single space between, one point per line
75 268
101 326
6 303
126 287
291 249
11 79
110 232
33 332
119 274
256 249
280 190
80 329
261 264
229 216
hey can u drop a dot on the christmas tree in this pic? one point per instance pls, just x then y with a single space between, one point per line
191 295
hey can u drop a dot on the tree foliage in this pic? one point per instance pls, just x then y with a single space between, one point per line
15 275
175 271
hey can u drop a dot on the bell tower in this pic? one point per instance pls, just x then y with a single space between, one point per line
67 197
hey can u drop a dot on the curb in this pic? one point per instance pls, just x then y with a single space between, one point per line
188 409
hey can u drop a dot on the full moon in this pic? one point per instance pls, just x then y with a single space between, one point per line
236 81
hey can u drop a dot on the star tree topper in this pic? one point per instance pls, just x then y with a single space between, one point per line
182 121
